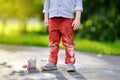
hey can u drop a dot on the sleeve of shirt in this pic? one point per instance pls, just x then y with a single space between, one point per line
46 6
79 5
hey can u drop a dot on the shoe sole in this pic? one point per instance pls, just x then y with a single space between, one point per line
71 70
48 69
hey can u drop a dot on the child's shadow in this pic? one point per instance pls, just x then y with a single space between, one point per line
61 76
77 76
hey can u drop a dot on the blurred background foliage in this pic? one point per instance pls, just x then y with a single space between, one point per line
100 22
100 18
19 12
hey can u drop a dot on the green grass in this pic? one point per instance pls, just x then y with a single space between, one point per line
98 47
81 45
28 39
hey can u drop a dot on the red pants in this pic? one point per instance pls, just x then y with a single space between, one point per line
61 28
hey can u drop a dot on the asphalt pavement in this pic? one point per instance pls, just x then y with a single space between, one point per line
89 66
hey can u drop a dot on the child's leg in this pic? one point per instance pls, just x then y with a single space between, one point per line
67 39
54 40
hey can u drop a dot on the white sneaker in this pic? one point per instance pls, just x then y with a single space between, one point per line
49 66
70 67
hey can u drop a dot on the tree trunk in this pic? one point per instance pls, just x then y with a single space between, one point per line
23 24
4 21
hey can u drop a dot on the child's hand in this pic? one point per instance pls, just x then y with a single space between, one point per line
76 24
46 19
46 22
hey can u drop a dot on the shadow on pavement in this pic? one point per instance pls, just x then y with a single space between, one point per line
59 75
77 76
32 70
20 73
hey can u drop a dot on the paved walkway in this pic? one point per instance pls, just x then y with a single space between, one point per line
13 61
